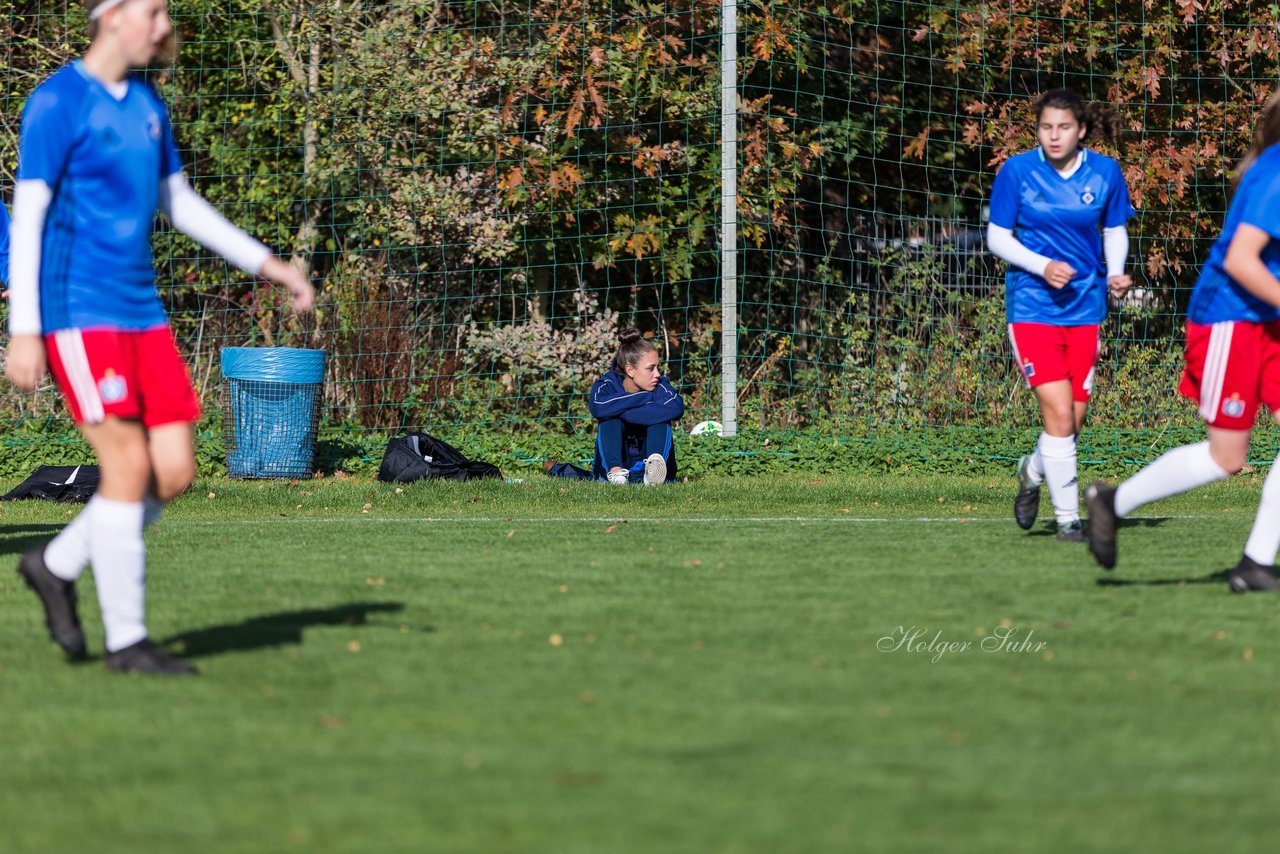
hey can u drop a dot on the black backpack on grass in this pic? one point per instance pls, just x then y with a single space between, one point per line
67 484
414 456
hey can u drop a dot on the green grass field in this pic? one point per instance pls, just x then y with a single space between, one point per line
578 668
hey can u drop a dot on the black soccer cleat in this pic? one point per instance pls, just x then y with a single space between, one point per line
1071 532
1027 503
1249 576
1100 500
59 600
147 657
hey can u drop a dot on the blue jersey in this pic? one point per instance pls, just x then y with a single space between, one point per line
1217 296
104 159
4 245
1062 219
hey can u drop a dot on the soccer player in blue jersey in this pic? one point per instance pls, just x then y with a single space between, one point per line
1058 217
634 405
1232 367
96 159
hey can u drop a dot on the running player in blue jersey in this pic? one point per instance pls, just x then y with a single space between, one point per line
634 405
96 159
1232 367
1058 217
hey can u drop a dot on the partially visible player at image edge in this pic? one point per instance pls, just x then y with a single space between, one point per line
96 160
1059 216
1232 367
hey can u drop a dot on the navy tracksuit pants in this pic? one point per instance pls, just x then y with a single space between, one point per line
622 445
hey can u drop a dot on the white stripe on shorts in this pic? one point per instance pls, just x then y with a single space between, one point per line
75 361
1215 369
1017 357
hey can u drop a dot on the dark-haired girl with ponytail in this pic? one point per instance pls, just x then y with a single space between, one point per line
1058 217
634 406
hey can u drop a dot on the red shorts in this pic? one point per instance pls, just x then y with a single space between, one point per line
134 375
1048 354
1232 368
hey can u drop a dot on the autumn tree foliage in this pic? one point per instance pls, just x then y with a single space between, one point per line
444 168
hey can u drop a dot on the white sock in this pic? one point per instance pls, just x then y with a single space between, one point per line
67 554
1058 456
1174 472
1264 539
1035 467
119 568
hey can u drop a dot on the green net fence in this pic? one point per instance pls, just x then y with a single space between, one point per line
485 192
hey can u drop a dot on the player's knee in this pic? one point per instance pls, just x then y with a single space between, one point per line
1230 460
173 477
1060 422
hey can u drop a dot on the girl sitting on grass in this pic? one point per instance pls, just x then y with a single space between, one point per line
634 406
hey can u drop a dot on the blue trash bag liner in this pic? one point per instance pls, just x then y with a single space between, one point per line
273 364
272 409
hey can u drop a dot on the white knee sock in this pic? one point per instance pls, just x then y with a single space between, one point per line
1035 467
119 568
1174 472
67 554
1264 539
1058 456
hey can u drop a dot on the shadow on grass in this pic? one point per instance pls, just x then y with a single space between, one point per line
1052 530
16 539
275 629
1219 577
332 454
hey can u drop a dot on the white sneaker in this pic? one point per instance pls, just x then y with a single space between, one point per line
617 478
655 470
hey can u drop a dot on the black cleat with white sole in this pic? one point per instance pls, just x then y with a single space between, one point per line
1250 576
1026 505
59 600
1100 500
147 657
1071 532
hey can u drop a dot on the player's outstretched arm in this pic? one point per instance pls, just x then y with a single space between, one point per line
291 279
200 221
1244 263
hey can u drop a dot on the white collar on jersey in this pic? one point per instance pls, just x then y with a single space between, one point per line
1073 168
101 9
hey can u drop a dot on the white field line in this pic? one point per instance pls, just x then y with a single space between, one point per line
640 520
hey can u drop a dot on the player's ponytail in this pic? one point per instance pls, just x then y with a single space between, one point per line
632 346
1100 121
1266 132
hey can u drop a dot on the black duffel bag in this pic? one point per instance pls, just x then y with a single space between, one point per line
414 456
67 484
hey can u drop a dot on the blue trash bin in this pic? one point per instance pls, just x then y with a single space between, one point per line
271 411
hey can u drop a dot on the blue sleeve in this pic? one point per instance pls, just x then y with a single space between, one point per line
47 136
1262 202
4 245
1119 208
170 162
664 405
609 400
1004 196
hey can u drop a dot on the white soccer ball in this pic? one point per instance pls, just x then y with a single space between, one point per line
706 428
